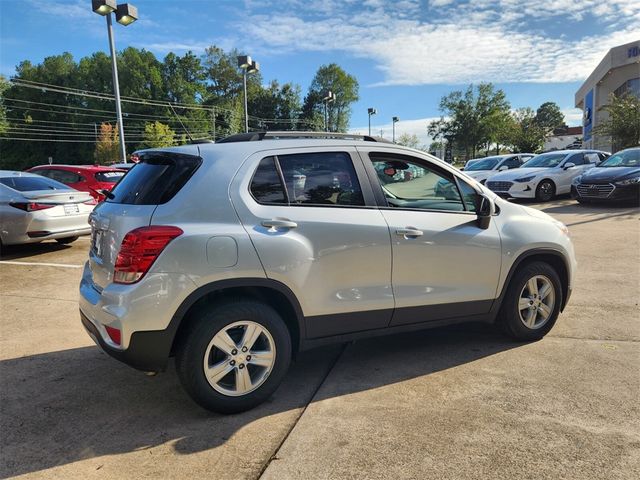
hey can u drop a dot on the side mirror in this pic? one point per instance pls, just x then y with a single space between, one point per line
503 168
461 169
569 165
486 209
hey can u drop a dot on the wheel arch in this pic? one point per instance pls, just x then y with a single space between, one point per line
555 258
274 293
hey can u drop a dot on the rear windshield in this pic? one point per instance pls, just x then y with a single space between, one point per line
109 177
156 179
32 184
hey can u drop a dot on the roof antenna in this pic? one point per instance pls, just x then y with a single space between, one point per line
183 125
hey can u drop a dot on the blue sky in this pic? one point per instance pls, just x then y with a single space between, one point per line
406 54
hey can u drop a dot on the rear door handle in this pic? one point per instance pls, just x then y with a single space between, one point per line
276 223
409 232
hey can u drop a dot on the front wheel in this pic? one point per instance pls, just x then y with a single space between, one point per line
532 302
546 191
233 356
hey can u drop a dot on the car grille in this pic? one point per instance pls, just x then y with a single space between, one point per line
499 186
595 191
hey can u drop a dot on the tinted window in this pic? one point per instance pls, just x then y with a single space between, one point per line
625 158
156 179
488 163
30 184
109 177
327 178
409 184
266 185
470 196
512 162
577 159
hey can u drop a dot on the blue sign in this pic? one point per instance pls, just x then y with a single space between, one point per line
587 119
633 52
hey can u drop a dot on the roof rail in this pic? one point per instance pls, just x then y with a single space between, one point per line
268 135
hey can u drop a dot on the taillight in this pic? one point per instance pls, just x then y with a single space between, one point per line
31 206
114 334
139 249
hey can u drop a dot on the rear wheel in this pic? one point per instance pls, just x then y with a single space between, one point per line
532 303
66 240
546 191
234 356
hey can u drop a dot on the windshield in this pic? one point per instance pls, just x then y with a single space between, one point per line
546 160
628 158
32 184
109 177
488 163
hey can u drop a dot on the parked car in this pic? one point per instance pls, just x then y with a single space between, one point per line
615 179
86 178
489 166
545 175
35 208
235 255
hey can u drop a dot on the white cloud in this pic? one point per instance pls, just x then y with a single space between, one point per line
485 40
572 116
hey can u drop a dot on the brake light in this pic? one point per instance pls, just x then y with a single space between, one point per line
139 249
31 206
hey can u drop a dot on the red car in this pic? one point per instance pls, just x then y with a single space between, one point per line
86 178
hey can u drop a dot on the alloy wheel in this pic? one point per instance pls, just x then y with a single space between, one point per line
239 358
536 302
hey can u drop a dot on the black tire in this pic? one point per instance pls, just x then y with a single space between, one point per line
509 318
546 191
202 328
66 240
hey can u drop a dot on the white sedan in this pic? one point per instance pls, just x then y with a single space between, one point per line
545 175
35 208
485 168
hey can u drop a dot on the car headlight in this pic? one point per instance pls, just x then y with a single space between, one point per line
525 179
629 181
577 180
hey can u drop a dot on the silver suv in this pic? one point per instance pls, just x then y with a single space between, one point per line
234 256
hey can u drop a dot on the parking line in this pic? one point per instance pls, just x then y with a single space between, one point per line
44 264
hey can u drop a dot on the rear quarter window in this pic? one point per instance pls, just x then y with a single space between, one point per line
156 179
32 184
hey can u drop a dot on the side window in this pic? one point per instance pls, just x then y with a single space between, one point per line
409 184
469 195
513 162
577 159
64 176
591 158
324 178
266 185
44 173
603 156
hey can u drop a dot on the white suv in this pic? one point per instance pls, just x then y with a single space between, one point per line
233 256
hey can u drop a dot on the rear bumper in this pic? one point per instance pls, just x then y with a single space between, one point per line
148 351
40 236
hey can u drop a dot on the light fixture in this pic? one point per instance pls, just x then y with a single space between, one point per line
103 7
371 111
244 61
126 14
254 67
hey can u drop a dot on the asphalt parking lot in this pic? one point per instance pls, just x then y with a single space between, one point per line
450 403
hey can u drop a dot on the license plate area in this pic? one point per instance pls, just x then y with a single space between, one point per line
71 209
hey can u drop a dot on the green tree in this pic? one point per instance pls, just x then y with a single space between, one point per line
4 85
183 78
623 122
156 135
527 135
410 140
345 87
549 117
471 119
107 146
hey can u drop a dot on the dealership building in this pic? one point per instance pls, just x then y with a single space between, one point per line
617 73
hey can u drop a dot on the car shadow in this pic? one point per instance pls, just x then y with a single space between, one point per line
61 407
14 252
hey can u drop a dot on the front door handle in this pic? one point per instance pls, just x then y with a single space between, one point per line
276 223
410 232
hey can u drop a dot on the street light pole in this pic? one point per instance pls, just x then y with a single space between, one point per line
246 104
248 66
394 120
116 89
329 97
371 111
126 14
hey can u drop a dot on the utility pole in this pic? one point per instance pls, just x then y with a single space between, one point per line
213 122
